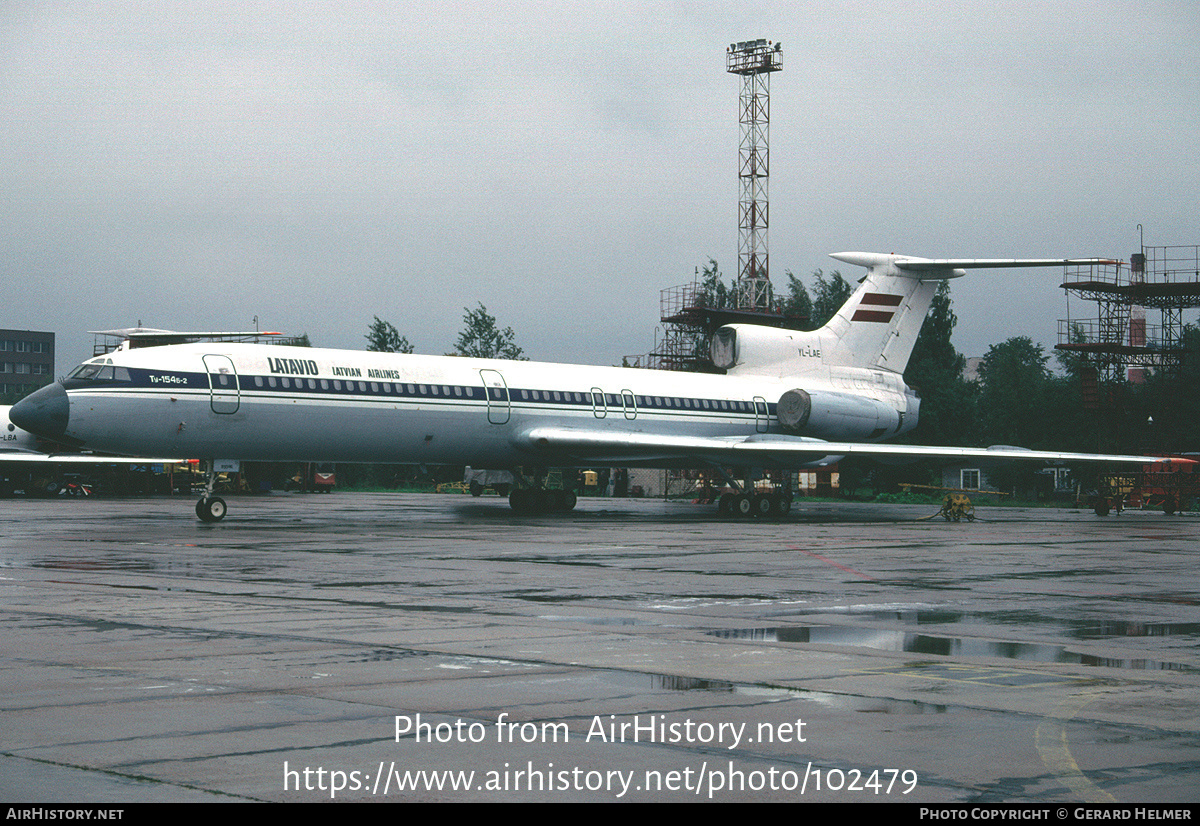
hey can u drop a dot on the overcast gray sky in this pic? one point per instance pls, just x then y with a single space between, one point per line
192 165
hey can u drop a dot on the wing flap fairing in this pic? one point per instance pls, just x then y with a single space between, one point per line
794 451
80 459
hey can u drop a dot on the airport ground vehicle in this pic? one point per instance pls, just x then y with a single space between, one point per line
1172 485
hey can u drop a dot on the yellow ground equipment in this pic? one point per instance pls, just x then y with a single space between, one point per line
956 507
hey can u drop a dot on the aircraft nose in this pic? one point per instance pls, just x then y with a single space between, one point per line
43 413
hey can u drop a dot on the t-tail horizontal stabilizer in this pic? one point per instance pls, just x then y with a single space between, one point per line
893 264
878 326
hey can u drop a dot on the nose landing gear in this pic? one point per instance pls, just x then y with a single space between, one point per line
211 508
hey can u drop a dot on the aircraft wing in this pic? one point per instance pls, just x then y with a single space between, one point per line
181 336
79 459
639 448
22 446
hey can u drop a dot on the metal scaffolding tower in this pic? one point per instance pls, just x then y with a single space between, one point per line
1117 340
754 60
691 313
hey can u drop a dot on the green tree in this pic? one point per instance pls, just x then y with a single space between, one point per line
933 346
382 337
1014 385
935 371
798 304
1017 406
829 294
482 338
1074 425
714 294
1171 398
1074 363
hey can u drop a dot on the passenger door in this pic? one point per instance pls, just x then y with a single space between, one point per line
762 420
224 395
599 406
498 404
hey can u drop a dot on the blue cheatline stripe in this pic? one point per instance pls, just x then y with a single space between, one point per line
261 386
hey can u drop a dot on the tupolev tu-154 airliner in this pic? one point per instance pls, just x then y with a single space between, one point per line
787 400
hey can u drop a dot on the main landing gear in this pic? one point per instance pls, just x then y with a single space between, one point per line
540 500
532 496
772 505
746 501
211 508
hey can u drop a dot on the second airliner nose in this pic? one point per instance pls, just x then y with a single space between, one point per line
43 413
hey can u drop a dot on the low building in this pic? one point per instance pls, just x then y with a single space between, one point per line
26 361
1053 482
685 483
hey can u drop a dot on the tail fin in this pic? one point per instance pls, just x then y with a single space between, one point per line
878 326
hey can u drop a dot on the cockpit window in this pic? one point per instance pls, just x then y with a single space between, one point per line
85 371
100 372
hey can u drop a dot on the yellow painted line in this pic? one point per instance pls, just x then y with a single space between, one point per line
967 675
1051 740
1050 737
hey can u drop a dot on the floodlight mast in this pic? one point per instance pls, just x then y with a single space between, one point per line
754 60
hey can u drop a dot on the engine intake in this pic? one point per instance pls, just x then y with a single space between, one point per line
837 416
793 410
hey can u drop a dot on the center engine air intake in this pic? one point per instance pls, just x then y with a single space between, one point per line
793 410
838 416
724 348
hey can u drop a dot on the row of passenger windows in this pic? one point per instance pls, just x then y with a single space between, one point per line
497 394
613 400
96 372
362 386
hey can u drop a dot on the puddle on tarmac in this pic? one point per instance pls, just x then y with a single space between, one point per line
1081 629
908 613
1102 629
845 702
597 620
888 640
93 564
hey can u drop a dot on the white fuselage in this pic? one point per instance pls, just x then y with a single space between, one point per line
260 402
788 399
13 438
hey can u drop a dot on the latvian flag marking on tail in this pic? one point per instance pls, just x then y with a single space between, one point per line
877 300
